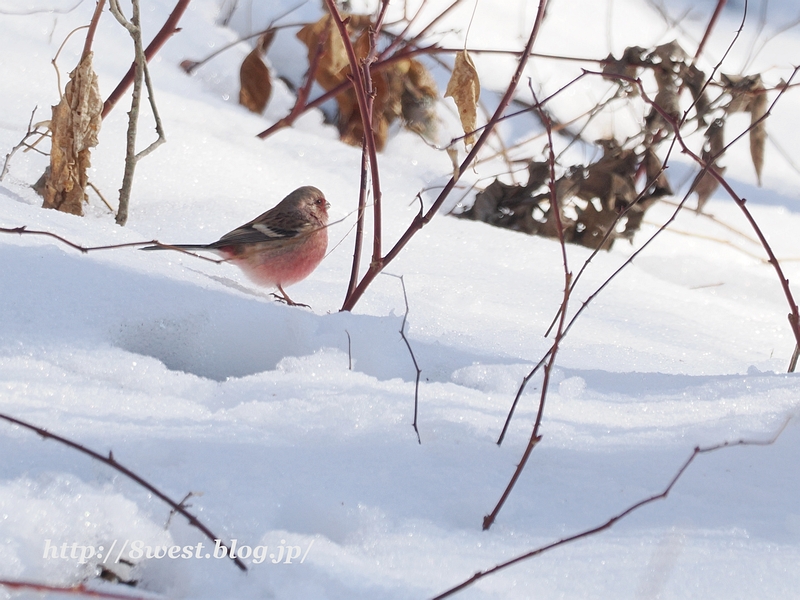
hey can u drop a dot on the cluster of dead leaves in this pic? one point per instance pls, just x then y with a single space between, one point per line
607 199
674 71
598 203
402 90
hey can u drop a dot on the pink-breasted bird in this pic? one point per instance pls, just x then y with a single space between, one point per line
280 247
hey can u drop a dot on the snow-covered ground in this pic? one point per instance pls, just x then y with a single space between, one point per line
201 383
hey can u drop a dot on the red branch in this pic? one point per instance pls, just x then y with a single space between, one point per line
365 95
87 45
555 210
710 27
111 462
167 30
794 314
421 220
610 522
301 104
77 590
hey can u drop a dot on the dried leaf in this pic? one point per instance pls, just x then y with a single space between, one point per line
418 99
334 68
740 88
465 88
189 65
758 131
75 125
600 176
627 66
748 95
715 134
695 79
668 61
592 226
452 153
655 174
705 184
254 76
334 57
386 106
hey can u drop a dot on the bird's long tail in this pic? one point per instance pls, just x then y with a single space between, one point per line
180 247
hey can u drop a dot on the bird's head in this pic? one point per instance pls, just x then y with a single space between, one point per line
310 201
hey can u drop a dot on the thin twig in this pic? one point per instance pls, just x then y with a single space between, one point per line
413 358
710 28
169 28
22 144
555 211
112 462
362 203
613 520
23 230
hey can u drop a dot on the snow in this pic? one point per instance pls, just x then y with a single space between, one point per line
291 427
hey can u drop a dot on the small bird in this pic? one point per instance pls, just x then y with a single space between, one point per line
280 247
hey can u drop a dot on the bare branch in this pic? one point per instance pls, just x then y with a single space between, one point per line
77 590
111 462
167 30
613 520
411 352
421 220
141 73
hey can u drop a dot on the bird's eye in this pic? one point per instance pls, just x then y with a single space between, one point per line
319 201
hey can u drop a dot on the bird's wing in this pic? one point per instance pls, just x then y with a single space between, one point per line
253 234
269 227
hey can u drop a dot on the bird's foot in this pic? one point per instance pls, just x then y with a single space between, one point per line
284 297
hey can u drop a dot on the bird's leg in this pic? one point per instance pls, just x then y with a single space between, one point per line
284 297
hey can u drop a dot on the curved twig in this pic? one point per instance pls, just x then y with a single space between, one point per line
112 462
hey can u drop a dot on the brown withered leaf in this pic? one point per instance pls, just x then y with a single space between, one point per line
748 95
602 177
739 87
334 68
593 224
705 184
512 205
758 130
254 76
668 60
406 89
504 205
334 57
655 173
628 66
386 106
465 88
418 100
715 134
74 126
695 79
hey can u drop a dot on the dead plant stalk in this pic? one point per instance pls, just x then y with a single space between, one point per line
141 73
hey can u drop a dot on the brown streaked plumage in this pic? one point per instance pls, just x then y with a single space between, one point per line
280 247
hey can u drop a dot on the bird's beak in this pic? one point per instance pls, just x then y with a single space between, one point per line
327 205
